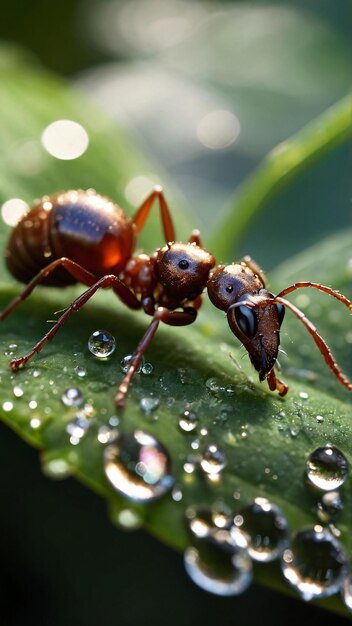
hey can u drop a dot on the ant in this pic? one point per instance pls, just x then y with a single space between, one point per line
82 236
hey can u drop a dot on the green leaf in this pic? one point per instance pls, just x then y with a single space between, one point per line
266 439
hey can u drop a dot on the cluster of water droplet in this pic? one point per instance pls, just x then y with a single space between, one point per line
313 560
224 545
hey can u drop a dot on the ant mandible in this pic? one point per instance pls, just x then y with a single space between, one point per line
81 236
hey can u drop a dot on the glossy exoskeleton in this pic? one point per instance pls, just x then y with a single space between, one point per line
81 236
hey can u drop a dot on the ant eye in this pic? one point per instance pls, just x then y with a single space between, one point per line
183 264
280 312
246 321
229 288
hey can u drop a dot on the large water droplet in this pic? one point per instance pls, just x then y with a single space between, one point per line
219 567
316 564
188 421
138 466
213 459
72 397
265 529
327 468
101 343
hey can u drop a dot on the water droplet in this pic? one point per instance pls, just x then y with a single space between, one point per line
188 421
219 567
230 390
177 493
138 466
319 419
347 592
303 395
77 428
214 386
114 420
72 397
329 506
204 521
7 406
57 468
148 404
35 422
147 369
101 343
106 434
195 444
316 564
18 391
213 459
126 362
265 529
327 468
80 371
10 349
129 519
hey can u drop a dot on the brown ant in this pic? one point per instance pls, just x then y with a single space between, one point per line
81 236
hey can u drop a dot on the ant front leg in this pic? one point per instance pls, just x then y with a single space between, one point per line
110 280
144 210
173 318
275 384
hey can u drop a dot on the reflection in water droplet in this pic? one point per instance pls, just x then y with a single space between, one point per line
329 506
188 421
72 397
327 468
138 466
219 567
213 459
316 564
126 362
13 210
347 592
101 343
65 139
10 349
264 528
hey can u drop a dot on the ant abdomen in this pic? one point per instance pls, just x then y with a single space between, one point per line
82 225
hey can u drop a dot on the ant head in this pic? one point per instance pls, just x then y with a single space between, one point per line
257 327
183 269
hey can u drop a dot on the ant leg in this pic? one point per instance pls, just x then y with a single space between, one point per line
323 347
195 238
79 273
173 318
110 280
142 213
327 290
275 384
256 269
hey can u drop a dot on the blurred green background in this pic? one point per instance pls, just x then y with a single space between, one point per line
160 68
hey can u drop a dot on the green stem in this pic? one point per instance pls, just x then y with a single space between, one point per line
285 161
